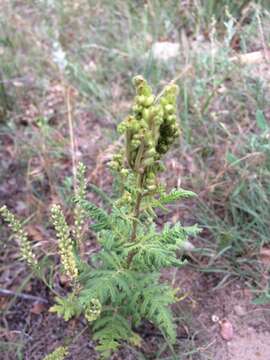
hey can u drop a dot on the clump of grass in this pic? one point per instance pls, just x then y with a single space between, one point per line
237 214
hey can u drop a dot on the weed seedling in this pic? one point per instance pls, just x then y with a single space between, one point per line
119 286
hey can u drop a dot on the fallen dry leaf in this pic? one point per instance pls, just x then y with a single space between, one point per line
254 57
239 310
64 280
4 301
35 232
165 50
37 308
226 329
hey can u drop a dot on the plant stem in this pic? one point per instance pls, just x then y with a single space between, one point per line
136 215
5 292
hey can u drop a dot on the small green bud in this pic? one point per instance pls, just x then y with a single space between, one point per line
150 152
146 114
163 148
149 100
154 110
93 310
117 157
143 124
149 161
171 119
171 90
158 120
138 136
157 110
134 126
127 197
138 80
150 182
174 129
140 100
137 108
121 128
114 165
151 176
124 172
148 138
135 144
160 166
164 101
169 109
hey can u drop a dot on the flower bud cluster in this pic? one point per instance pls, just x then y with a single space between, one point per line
125 199
149 132
168 130
93 310
64 242
117 162
25 245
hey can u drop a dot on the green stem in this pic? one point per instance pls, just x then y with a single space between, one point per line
139 159
128 152
136 215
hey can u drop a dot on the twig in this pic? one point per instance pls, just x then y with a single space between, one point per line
255 57
71 134
5 292
173 81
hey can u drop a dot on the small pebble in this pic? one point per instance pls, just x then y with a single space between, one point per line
239 310
214 318
226 329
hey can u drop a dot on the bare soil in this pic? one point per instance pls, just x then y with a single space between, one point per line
40 332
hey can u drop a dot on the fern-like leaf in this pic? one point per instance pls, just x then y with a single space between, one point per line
110 330
67 307
153 255
177 234
155 306
101 218
174 195
108 285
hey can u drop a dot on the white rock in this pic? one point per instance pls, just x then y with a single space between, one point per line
239 310
165 50
187 246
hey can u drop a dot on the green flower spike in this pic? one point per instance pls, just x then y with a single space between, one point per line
24 243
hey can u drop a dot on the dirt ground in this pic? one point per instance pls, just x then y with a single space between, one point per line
201 315
232 306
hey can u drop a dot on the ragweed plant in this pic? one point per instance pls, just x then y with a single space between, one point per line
120 285
27 253
58 354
